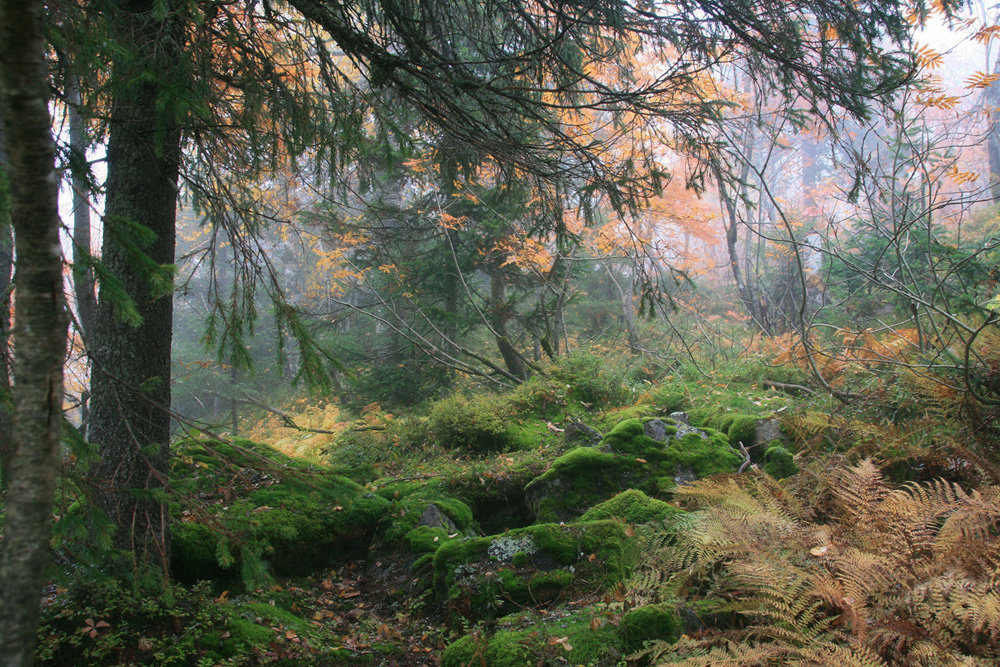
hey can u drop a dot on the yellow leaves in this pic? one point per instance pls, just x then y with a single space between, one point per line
980 80
986 34
451 222
959 177
937 100
928 58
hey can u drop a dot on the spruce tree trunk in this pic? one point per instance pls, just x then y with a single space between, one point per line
40 327
130 386
6 268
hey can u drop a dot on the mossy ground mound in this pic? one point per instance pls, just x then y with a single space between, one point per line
632 506
486 576
275 515
526 640
628 458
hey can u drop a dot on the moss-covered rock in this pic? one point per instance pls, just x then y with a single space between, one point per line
651 455
632 506
271 513
742 428
654 621
422 518
483 577
779 463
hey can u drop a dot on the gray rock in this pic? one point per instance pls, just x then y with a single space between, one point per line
684 476
656 429
579 434
767 430
432 516
680 417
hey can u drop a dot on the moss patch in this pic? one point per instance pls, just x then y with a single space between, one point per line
654 621
281 515
488 576
778 462
632 506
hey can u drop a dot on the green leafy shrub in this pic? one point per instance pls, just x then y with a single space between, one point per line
480 425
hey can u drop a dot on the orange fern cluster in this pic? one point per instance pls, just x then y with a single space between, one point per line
870 575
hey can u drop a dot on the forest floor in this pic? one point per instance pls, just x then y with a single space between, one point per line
577 520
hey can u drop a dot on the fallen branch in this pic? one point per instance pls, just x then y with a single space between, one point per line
787 388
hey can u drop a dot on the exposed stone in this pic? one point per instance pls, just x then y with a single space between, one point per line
767 430
680 417
580 435
433 517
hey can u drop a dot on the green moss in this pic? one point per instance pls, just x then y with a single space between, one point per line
513 649
655 621
463 653
537 639
586 476
632 506
520 559
404 516
245 633
743 428
479 425
705 456
779 463
424 539
452 554
629 438
295 524
425 561
545 586
668 399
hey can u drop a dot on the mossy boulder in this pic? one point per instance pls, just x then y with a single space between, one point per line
779 462
632 506
651 455
264 513
483 577
742 429
651 622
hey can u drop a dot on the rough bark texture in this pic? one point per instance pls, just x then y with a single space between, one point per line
130 387
500 315
40 327
6 268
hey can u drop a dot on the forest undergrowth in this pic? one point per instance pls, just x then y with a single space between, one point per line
613 509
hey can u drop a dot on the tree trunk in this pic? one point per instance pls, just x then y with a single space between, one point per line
498 308
130 387
6 268
83 276
40 327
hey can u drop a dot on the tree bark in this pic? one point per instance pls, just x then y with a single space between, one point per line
500 315
130 387
6 268
40 327
83 276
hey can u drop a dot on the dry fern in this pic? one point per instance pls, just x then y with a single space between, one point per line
894 576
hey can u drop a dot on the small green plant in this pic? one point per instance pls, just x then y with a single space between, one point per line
480 425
